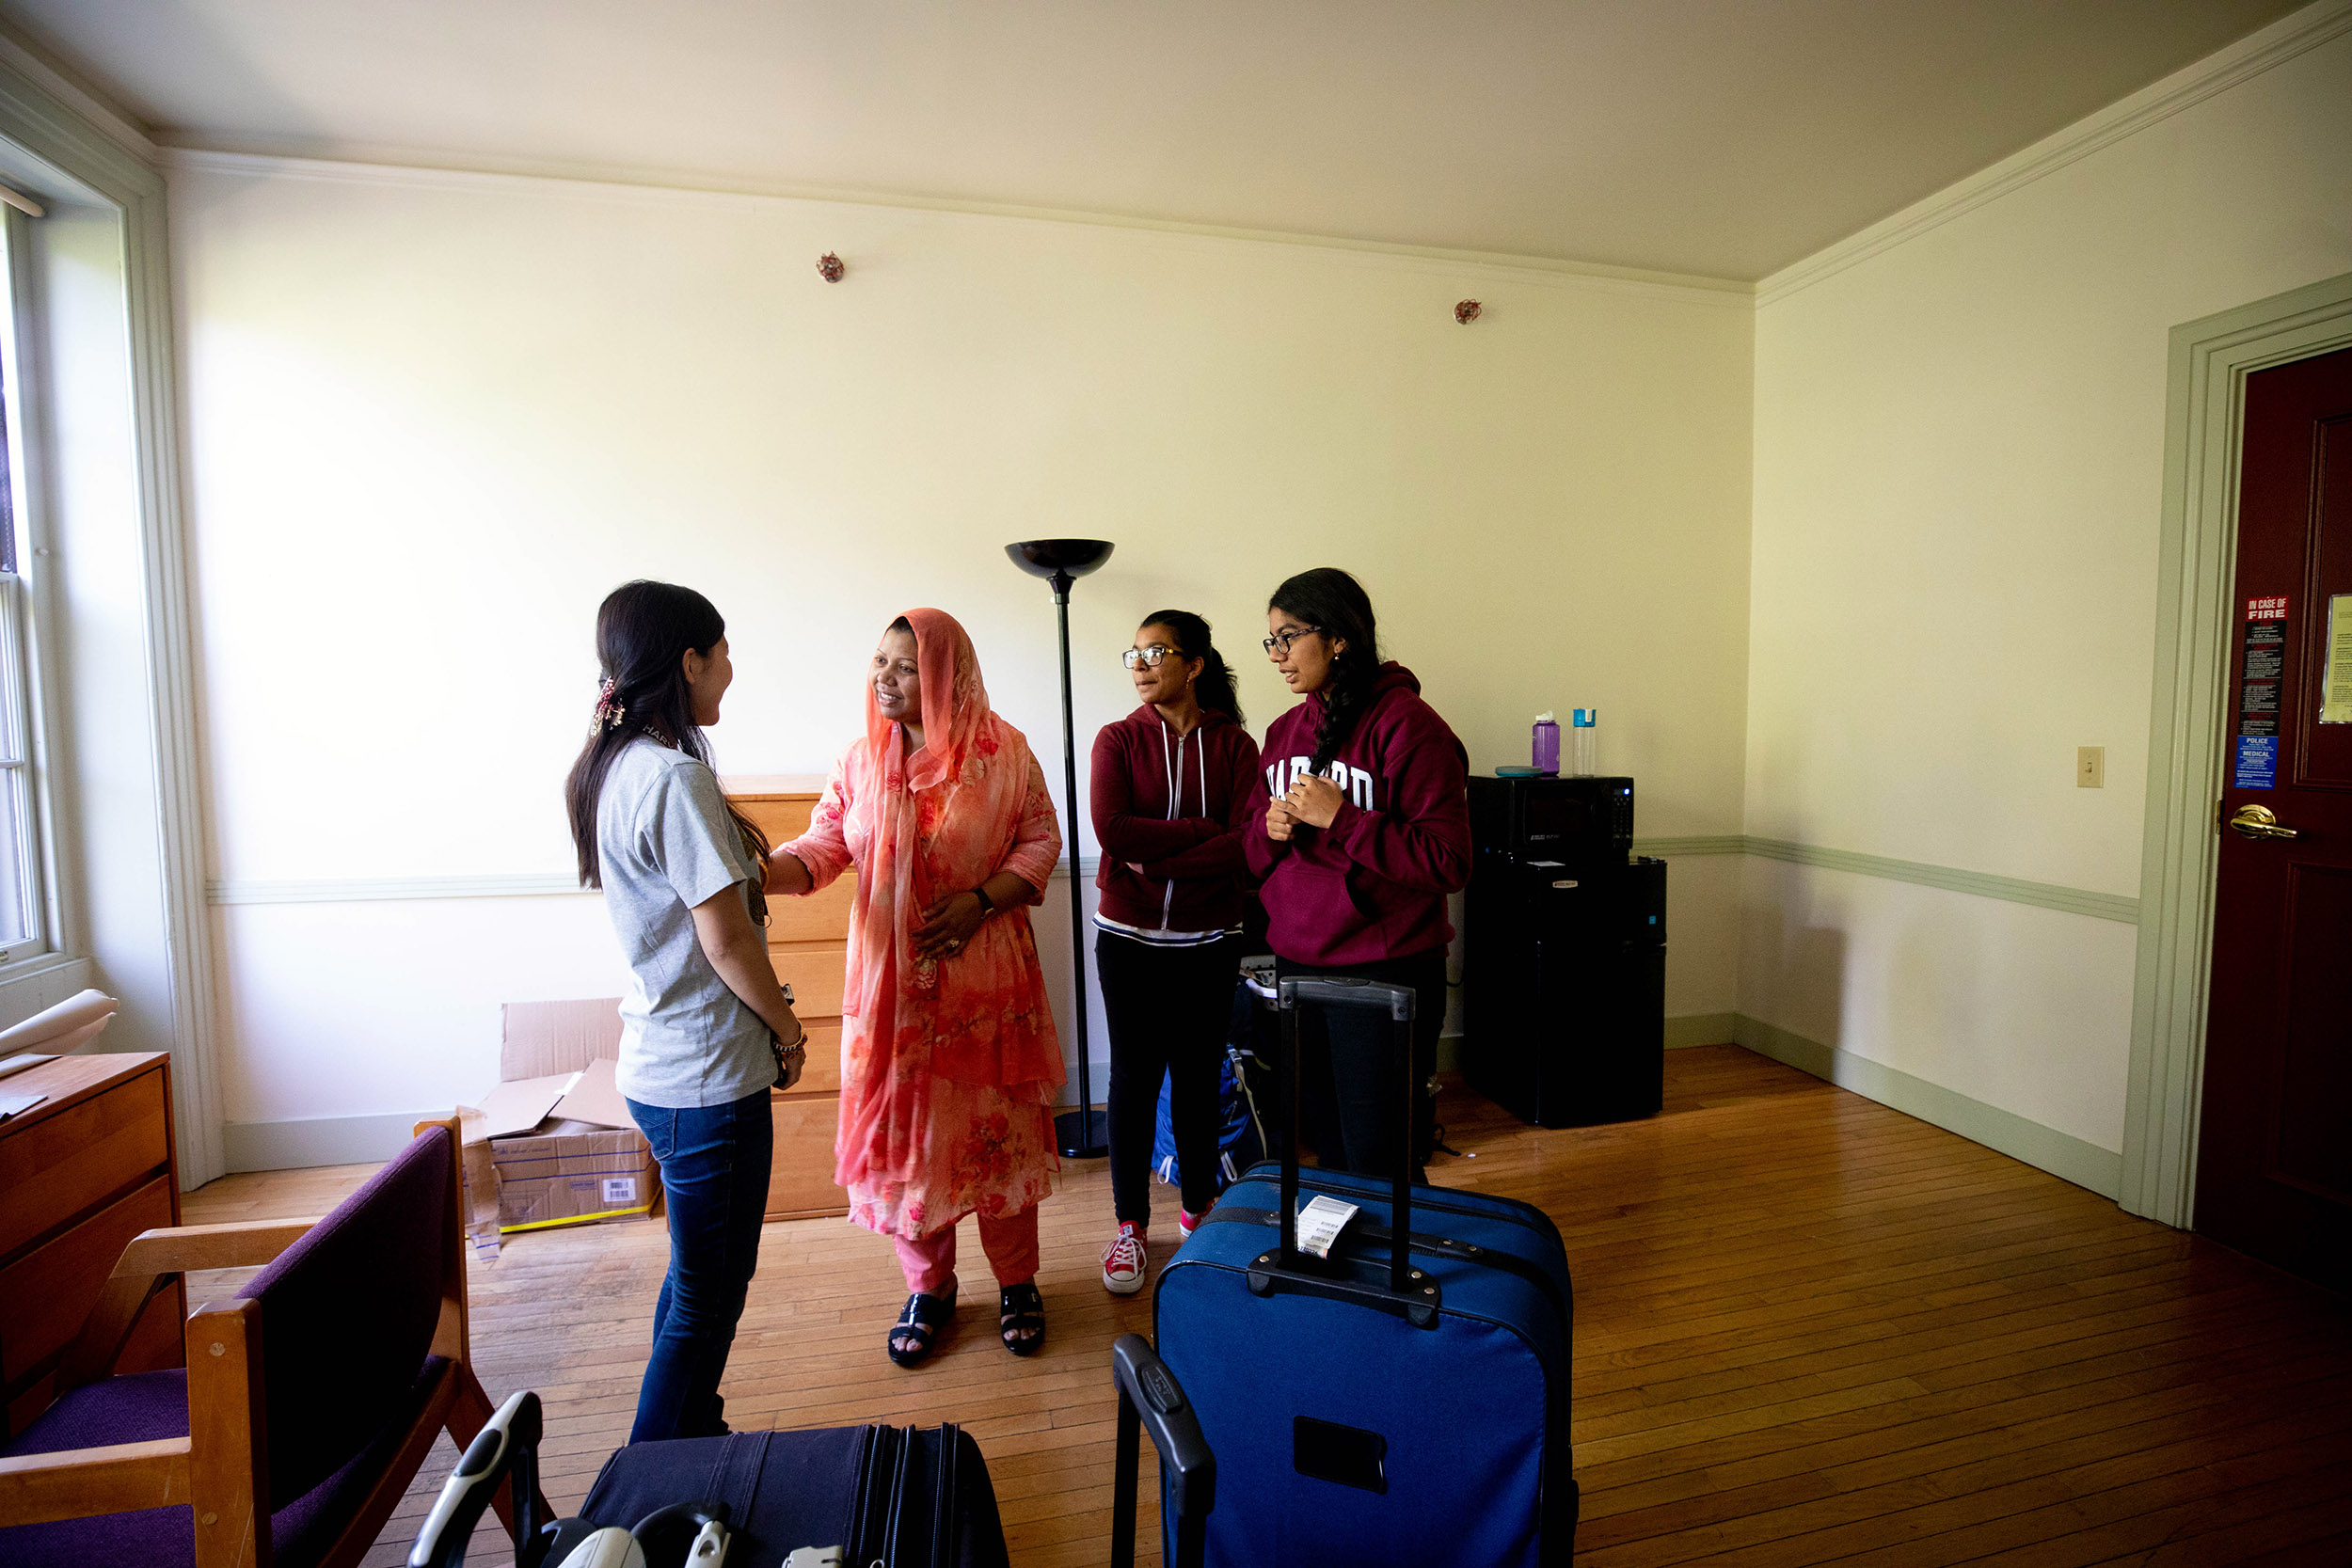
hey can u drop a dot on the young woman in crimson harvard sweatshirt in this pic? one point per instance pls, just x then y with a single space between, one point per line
1360 828
1173 783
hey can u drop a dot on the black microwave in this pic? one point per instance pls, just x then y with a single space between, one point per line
1579 822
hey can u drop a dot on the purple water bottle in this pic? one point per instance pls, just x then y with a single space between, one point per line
1547 743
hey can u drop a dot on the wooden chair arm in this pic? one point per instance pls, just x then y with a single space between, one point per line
78 1483
178 1250
145 1268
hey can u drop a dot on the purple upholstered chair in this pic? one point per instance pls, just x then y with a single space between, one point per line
307 1405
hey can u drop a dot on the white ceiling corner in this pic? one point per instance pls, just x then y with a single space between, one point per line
1721 139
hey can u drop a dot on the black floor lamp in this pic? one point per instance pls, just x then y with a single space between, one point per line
1084 1133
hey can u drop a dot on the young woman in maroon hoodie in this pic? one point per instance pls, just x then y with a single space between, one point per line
1360 829
1171 793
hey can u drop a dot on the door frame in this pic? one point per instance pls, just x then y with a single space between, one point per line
2204 422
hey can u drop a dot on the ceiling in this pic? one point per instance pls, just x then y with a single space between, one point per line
1723 138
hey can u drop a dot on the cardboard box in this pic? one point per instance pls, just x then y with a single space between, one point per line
562 1147
572 1173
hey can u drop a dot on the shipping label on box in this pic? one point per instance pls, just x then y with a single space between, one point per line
573 1173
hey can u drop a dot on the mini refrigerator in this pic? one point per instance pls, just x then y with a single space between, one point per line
1564 969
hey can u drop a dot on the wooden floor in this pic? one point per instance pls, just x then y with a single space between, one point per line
1809 1330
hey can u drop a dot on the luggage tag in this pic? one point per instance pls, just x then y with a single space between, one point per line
1321 1219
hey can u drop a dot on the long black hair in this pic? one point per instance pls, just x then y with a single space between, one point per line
1336 604
1215 685
644 632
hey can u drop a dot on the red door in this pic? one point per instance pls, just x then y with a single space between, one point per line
2274 1165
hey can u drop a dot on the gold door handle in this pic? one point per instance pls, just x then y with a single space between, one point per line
2260 823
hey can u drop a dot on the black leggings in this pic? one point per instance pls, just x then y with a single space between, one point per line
1166 1009
1349 1066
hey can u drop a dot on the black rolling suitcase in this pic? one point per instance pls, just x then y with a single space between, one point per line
1385 1404
902 1497
907 1496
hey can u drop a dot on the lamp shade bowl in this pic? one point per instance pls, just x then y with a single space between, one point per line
1049 558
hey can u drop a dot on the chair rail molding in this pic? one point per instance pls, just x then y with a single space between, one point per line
1983 884
546 884
2205 410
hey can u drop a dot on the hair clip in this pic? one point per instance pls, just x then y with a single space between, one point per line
608 711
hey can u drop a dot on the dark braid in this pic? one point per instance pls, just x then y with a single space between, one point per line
1214 687
644 631
1336 604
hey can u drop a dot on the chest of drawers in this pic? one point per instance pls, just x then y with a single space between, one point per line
81 1173
808 941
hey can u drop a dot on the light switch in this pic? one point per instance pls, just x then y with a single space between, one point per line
2091 768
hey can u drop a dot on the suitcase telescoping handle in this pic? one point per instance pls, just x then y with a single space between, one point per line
506 1449
1150 1400
1405 1283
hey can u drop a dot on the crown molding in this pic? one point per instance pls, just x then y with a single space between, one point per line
103 115
2259 52
415 170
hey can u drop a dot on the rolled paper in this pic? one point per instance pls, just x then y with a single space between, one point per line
72 1024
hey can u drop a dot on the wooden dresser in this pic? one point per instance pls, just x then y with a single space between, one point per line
81 1173
808 941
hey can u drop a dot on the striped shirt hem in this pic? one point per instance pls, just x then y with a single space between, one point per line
1161 937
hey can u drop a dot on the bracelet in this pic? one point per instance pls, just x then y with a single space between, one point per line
988 905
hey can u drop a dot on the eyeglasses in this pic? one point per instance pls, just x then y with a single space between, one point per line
1148 659
1280 642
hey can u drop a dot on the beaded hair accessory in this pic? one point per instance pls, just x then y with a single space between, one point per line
608 708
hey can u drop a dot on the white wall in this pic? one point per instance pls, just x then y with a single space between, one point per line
434 418
1959 447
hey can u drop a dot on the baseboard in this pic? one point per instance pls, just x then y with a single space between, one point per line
1702 1029
2046 1148
319 1140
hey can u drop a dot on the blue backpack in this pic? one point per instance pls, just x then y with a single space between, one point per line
1241 1140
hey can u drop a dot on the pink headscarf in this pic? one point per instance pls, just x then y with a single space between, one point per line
954 703
942 820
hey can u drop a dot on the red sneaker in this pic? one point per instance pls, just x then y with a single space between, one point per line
1187 1222
1124 1259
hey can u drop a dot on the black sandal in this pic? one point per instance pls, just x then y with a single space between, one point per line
1021 1318
924 1320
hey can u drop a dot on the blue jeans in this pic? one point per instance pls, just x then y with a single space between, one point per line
714 1179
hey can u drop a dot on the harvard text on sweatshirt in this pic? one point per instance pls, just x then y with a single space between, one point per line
1373 885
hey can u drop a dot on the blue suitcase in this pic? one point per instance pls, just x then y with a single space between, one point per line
1384 1406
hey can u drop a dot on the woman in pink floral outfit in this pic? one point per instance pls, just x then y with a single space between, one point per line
949 1062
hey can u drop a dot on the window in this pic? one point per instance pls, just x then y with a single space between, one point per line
24 908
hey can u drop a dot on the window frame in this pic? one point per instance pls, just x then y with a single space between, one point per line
26 598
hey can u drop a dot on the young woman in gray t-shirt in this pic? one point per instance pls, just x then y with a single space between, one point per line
705 1030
